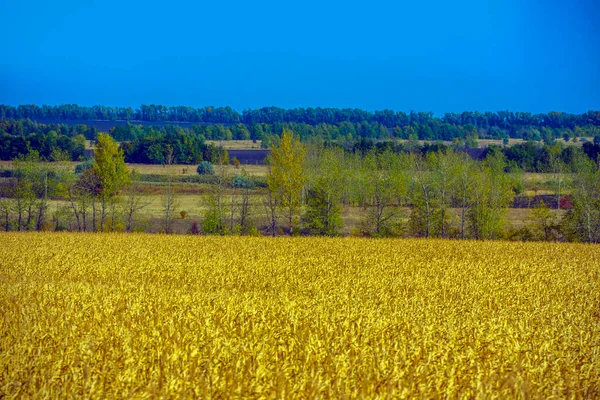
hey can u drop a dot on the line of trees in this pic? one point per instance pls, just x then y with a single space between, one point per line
61 142
91 192
443 194
143 144
488 124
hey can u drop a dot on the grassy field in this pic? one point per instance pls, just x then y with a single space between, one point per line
175 169
116 315
532 179
499 142
255 170
236 144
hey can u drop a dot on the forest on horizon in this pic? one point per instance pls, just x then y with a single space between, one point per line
496 125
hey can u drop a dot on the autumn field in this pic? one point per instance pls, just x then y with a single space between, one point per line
116 315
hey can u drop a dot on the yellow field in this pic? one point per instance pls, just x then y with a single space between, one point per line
116 315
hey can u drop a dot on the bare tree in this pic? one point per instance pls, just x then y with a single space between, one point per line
271 205
170 202
134 202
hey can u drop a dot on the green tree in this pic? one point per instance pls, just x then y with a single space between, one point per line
558 169
582 221
286 177
445 177
491 196
465 169
384 187
421 194
25 188
110 167
205 168
542 222
327 179
215 214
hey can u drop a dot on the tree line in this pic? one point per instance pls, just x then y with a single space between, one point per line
149 145
146 145
496 125
444 194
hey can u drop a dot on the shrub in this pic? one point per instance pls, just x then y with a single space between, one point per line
183 214
243 182
205 168
194 230
253 231
80 168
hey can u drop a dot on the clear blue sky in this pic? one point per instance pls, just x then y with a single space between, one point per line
440 56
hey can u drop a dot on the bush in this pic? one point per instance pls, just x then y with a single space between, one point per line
243 182
194 230
183 214
205 168
80 168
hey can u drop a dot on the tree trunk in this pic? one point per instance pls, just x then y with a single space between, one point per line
93 215
102 214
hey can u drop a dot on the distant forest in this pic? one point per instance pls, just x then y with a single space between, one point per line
353 130
361 123
151 145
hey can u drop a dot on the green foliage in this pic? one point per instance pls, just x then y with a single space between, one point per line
80 168
205 168
243 182
322 217
327 180
214 217
286 178
490 198
542 223
109 164
582 221
382 187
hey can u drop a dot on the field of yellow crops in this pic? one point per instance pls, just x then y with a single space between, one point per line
117 315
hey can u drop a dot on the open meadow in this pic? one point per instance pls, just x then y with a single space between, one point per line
134 315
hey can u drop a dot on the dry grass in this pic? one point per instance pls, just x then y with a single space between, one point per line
236 144
254 170
116 315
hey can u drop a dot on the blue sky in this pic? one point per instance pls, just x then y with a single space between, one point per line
427 55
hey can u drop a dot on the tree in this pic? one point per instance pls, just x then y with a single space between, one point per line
205 168
542 222
135 201
5 206
444 166
465 170
582 221
216 210
286 177
558 169
242 188
109 165
170 201
421 194
25 188
491 196
83 192
383 186
327 179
